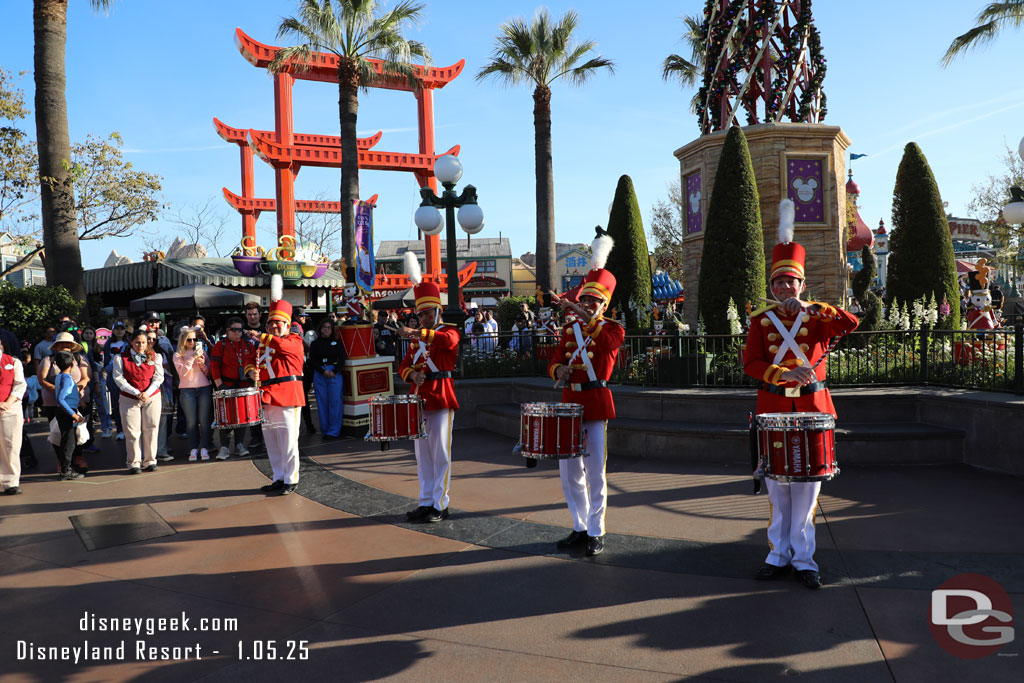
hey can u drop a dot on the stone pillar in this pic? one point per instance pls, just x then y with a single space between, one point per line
803 161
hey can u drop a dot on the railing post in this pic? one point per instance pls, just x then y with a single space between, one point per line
924 354
1018 358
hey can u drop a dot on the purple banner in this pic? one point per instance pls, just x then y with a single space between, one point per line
364 246
806 189
694 219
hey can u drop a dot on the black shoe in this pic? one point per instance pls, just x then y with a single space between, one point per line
435 515
419 513
150 468
272 486
809 578
595 545
134 470
767 572
71 475
12 491
576 538
288 488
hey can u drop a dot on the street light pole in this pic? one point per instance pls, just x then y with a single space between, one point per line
448 170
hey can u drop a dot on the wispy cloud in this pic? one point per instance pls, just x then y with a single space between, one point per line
171 150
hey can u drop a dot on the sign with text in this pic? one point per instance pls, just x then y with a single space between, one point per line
967 230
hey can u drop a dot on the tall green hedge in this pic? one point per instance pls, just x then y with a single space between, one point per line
28 312
921 263
629 260
870 304
732 265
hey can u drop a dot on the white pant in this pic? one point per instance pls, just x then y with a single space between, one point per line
281 434
434 458
791 527
584 482
10 446
141 422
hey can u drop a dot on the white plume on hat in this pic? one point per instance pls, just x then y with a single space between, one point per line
599 250
276 287
412 268
787 216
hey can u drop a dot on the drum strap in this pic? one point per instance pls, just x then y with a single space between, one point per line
788 338
423 352
596 384
265 360
804 390
581 345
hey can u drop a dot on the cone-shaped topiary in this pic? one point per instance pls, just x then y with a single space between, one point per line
870 305
732 265
921 263
629 261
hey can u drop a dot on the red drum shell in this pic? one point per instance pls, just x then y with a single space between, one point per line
357 340
395 417
237 407
551 430
798 453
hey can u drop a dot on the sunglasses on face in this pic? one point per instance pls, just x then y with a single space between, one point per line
234 329
190 340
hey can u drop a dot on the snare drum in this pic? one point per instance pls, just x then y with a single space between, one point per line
396 417
357 340
551 430
797 446
237 407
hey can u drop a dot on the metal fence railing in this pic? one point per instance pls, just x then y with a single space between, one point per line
988 361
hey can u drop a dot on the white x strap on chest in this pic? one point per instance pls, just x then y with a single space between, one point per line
265 360
581 345
788 339
421 352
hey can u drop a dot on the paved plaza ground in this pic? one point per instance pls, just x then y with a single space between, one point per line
485 595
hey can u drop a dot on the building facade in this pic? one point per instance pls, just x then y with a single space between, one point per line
12 250
493 257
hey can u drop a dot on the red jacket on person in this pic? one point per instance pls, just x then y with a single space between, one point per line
442 348
228 361
605 337
280 363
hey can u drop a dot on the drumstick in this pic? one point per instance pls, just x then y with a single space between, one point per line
574 306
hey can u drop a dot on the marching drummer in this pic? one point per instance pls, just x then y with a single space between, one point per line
585 359
785 351
228 360
279 370
427 367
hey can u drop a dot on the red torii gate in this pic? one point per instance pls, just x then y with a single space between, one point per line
287 151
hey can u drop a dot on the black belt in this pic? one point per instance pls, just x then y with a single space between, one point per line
804 390
235 382
440 374
596 384
279 380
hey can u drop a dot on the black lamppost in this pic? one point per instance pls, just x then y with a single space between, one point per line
448 170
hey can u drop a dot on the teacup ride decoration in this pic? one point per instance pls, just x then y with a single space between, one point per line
248 256
313 263
281 261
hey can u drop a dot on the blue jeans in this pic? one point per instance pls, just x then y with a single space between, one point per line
198 405
329 402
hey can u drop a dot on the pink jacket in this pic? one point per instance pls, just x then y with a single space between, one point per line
191 374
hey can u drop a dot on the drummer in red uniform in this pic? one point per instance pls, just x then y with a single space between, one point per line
279 370
228 360
785 351
427 366
584 361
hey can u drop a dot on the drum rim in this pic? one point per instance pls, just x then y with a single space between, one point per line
795 420
814 477
413 437
554 456
395 399
545 409
238 391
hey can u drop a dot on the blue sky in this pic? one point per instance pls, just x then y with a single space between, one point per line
158 72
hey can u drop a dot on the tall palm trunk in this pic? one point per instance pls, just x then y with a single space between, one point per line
60 229
545 188
348 113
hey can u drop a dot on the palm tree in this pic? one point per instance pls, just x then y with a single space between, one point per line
990 21
60 228
540 53
688 71
354 31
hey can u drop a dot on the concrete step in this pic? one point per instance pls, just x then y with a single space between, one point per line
894 442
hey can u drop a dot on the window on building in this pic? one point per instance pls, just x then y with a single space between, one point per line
490 266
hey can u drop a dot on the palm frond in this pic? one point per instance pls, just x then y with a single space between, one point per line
976 37
684 71
1009 13
582 73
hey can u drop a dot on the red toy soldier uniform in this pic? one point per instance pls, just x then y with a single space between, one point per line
428 366
279 358
585 359
785 350
12 390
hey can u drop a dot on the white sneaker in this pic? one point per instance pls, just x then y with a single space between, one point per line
120 436
223 453
240 450
204 454
193 455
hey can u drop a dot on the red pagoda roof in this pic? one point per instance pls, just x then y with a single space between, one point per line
257 205
323 66
267 148
239 135
860 236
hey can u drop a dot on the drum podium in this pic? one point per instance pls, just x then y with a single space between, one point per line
365 375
